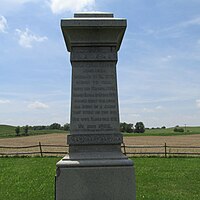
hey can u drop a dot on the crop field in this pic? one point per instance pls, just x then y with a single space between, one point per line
152 137
156 178
61 139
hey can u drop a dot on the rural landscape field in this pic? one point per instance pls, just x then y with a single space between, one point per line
151 137
33 177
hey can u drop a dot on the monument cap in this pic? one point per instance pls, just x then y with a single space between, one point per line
93 15
93 29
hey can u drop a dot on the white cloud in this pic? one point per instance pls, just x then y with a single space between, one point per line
166 58
4 101
198 103
59 6
27 38
151 110
3 24
194 21
38 105
159 107
148 110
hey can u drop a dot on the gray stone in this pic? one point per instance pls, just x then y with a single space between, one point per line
96 183
95 167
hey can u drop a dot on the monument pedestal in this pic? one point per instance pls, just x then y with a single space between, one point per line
95 168
103 181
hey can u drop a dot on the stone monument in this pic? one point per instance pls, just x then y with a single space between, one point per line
95 168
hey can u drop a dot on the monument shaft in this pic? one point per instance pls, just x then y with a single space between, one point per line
95 158
94 108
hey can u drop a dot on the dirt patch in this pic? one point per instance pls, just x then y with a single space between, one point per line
61 139
184 140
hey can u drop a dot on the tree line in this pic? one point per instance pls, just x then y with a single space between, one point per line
124 127
130 128
24 130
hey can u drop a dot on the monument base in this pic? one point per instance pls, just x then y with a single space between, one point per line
103 180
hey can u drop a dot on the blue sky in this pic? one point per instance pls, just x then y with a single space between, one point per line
158 67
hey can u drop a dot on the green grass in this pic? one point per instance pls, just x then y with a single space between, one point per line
156 178
7 131
27 178
167 178
166 132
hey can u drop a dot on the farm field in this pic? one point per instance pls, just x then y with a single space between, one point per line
156 178
60 139
167 132
7 131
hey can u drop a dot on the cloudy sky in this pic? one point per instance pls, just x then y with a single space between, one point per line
158 67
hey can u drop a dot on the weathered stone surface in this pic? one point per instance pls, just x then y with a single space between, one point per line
94 108
96 183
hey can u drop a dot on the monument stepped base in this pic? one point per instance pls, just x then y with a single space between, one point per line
107 182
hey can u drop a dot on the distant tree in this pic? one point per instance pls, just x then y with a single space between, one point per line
178 129
139 127
55 126
26 130
17 130
163 127
129 128
66 127
124 127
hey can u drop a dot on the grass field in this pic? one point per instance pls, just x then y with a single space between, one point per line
156 178
166 132
7 131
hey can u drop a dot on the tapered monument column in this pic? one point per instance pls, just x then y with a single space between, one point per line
95 168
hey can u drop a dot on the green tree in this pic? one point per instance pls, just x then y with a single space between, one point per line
55 126
139 127
66 127
17 130
123 127
26 130
129 128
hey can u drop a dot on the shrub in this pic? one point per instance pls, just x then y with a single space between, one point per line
178 129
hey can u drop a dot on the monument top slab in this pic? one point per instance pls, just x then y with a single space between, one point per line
93 15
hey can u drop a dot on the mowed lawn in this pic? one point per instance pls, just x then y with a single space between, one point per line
156 178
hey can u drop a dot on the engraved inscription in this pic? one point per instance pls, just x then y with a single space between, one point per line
94 98
95 139
94 54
